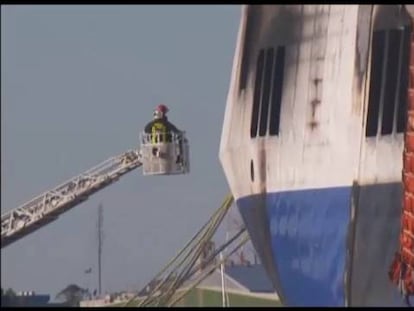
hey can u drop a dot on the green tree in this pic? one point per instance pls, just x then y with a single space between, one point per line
10 293
72 295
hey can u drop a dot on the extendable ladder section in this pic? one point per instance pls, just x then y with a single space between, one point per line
38 212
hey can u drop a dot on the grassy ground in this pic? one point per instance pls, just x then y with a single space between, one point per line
209 298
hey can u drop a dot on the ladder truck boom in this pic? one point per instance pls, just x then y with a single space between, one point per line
38 212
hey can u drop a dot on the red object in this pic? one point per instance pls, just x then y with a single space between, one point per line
162 108
401 272
409 141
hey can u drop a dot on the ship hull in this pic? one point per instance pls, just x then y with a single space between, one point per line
317 253
312 144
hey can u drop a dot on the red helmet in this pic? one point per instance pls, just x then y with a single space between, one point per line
162 108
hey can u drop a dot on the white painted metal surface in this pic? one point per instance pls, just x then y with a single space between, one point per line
165 158
329 43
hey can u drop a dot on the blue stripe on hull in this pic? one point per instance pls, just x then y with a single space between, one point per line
308 235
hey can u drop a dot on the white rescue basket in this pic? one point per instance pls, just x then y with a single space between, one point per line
165 154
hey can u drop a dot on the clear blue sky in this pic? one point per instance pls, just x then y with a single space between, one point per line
78 84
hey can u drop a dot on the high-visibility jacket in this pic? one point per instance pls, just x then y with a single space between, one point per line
161 130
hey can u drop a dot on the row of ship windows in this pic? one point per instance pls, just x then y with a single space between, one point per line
387 105
387 95
267 96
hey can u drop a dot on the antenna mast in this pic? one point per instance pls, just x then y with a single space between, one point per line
100 241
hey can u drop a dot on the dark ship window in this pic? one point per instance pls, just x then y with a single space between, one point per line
268 92
264 112
377 58
389 81
390 90
278 76
402 91
257 93
251 170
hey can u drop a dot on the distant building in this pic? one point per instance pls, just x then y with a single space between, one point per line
248 279
25 299
107 300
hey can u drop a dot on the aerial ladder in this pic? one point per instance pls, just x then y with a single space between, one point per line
401 272
155 156
193 263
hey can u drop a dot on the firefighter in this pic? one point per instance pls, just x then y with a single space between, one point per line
161 130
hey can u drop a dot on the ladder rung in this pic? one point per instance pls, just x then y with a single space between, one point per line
405 212
410 234
407 250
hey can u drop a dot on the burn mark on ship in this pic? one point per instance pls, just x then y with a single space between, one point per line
252 16
261 216
362 44
390 16
270 26
372 18
256 216
262 168
314 104
362 56
266 26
